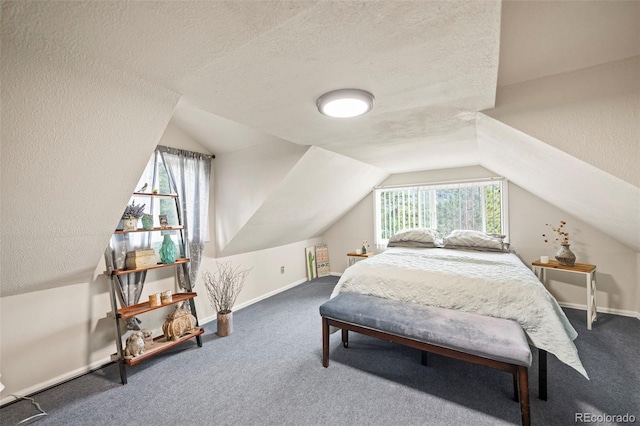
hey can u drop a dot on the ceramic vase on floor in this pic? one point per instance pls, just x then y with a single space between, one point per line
565 256
224 322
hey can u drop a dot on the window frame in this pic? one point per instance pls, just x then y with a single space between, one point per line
432 187
154 204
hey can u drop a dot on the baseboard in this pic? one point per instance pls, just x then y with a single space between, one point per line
336 274
106 361
255 300
602 309
58 380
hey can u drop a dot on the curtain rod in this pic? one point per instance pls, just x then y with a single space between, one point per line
447 182
168 148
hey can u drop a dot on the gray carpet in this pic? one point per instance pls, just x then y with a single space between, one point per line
269 372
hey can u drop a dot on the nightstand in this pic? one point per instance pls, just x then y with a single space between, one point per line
580 268
353 257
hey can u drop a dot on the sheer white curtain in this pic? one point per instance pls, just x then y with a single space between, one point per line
190 174
129 286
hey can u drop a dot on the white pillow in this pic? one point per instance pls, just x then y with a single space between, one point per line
416 237
475 240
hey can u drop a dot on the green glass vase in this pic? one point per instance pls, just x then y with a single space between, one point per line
147 221
168 251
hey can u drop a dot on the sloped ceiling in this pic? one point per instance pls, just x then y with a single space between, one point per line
600 199
247 75
543 38
318 190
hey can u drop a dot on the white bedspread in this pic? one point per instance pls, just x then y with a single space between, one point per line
485 283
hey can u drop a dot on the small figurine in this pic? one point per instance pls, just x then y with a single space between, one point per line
135 344
147 336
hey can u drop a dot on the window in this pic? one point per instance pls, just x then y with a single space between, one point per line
155 177
477 205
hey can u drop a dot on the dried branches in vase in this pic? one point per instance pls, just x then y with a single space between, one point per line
561 235
223 288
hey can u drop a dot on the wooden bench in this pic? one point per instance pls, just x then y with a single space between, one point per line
493 342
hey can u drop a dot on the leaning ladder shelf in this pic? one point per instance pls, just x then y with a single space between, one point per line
160 343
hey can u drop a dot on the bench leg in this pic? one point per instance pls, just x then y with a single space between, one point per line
523 387
424 358
345 338
542 374
325 342
516 396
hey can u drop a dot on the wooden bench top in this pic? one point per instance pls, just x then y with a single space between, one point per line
494 338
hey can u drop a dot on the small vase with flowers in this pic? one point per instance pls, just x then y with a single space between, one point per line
564 256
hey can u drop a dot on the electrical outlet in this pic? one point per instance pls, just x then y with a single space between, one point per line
282 269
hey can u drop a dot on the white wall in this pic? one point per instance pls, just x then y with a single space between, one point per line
617 264
265 278
347 234
68 123
51 335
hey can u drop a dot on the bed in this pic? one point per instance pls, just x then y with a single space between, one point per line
492 282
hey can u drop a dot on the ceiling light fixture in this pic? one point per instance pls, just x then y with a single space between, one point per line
345 103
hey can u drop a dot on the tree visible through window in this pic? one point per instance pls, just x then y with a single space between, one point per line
472 205
155 177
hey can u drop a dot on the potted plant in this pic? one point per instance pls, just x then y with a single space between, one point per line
223 287
130 217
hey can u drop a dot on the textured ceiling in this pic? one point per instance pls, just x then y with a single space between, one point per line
262 65
250 72
541 38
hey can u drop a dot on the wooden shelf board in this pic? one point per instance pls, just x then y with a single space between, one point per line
146 268
160 344
354 254
170 228
151 194
577 267
141 308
